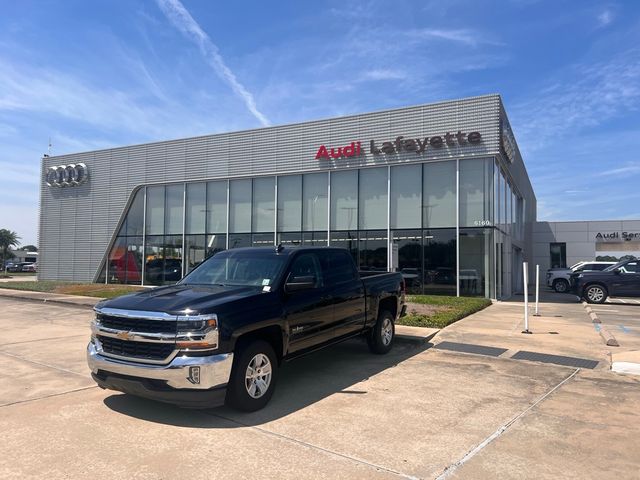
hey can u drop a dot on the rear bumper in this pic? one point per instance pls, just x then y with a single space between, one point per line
186 381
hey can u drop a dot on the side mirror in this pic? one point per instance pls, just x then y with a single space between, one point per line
617 271
295 284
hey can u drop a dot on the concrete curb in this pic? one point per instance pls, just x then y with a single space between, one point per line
74 300
605 334
409 334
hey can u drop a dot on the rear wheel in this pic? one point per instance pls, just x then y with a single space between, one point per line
253 376
381 337
595 294
561 285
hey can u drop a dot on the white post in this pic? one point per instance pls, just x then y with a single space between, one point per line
537 314
525 274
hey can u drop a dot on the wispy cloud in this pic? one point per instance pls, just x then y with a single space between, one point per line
581 96
384 74
605 18
463 36
623 171
183 21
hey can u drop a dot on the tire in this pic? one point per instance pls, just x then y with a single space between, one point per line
595 294
381 338
561 285
250 390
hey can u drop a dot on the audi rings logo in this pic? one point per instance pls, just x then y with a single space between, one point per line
67 175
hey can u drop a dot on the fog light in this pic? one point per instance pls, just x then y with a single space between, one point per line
194 375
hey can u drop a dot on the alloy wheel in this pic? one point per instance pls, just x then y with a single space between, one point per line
387 331
595 294
258 376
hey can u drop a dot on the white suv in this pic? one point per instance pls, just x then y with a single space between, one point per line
558 278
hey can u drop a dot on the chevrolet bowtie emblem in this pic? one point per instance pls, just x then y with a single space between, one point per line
124 335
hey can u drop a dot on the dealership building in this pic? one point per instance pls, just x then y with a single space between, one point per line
438 192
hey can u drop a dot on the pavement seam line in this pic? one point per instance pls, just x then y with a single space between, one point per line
41 340
41 364
316 447
471 453
49 396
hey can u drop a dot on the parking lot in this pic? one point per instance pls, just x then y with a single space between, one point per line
419 412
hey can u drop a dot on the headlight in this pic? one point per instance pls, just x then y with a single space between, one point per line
197 332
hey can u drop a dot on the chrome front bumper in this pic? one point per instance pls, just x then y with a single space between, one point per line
183 372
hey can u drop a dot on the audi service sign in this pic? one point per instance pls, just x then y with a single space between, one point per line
67 175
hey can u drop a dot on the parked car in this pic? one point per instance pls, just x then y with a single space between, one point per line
619 280
17 267
30 267
220 334
558 278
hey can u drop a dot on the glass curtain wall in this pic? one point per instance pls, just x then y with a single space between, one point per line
170 229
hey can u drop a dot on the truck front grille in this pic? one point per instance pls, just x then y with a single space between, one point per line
138 324
139 350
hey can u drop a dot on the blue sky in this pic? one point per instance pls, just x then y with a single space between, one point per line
106 73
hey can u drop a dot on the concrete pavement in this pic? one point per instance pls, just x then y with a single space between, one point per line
418 412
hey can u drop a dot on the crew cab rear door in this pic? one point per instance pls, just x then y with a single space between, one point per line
308 312
346 290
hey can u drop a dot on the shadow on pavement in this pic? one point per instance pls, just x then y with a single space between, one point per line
546 296
301 383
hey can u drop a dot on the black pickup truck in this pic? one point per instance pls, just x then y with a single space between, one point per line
220 334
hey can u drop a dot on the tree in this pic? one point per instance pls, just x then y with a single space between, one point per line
29 248
8 239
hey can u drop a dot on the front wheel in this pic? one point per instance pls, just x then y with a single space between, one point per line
595 294
380 339
253 377
561 285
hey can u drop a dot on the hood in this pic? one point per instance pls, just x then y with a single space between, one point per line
177 298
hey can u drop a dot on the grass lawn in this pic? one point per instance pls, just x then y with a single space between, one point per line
99 290
437 311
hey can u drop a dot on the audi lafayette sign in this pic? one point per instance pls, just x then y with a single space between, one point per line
400 144
67 175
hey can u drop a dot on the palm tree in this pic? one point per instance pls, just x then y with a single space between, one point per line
8 239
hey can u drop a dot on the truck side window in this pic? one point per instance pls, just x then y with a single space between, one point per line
306 265
340 268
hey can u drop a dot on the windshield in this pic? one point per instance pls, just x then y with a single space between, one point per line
246 268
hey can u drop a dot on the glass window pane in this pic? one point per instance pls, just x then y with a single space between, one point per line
314 190
216 243
406 196
289 239
173 209
155 210
133 260
240 206
439 247
439 195
410 257
290 203
316 239
239 240
348 240
475 263
217 207
344 200
373 250
135 214
264 195
476 184
372 211
163 259
117 261
196 207
262 240
195 251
